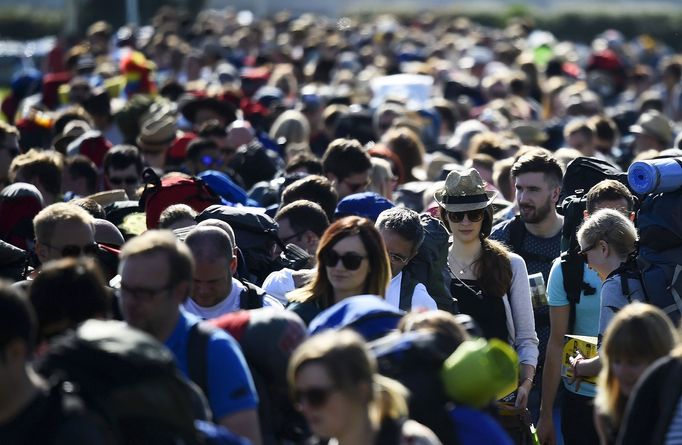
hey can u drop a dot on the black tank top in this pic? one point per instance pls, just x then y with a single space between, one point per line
488 312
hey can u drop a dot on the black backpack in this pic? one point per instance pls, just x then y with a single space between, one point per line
415 359
129 379
255 234
581 175
429 267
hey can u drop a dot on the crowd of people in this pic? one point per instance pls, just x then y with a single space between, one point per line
301 230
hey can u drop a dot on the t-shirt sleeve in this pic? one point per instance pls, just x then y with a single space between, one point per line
270 301
556 293
612 300
230 385
422 299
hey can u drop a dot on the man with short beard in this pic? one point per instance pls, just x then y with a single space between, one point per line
535 234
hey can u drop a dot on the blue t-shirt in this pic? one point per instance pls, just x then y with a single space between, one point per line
586 312
230 386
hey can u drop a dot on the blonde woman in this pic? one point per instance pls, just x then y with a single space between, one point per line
637 336
335 384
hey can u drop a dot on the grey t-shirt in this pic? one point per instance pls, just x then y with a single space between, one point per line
613 299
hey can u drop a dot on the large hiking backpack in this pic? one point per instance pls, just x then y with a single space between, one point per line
255 234
267 338
581 175
659 258
160 193
129 379
415 359
429 267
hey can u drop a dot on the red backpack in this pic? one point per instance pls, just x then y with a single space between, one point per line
160 193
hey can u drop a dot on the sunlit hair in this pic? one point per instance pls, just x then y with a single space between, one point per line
639 333
611 226
378 277
353 371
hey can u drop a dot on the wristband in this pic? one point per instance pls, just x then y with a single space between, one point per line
527 378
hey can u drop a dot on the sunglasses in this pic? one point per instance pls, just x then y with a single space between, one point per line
209 161
583 252
74 251
128 180
351 261
315 397
473 215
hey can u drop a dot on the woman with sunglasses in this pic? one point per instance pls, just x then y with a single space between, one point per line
335 384
607 241
351 260
489 282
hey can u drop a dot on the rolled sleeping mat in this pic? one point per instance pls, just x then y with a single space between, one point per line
655 175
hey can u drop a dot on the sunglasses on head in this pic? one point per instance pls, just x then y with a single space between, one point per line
128 180
74 251
350 260
473 215
315 397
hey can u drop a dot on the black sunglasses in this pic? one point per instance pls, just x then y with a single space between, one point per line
128 180
350 260
583 252
315 397
74 251
473 215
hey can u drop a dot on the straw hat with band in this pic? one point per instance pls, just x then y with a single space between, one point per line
157 134
464 190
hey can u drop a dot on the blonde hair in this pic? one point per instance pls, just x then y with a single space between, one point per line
291 125
638 333
611 226
349 364
47 219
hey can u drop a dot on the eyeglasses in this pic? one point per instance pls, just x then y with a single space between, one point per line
74 251
357 187
350 260
395 258
473 215
141 293
290 237
209 161
128 180
315 397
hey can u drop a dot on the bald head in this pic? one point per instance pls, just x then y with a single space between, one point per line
214 222
209 243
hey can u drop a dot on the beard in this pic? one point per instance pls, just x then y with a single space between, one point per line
535 215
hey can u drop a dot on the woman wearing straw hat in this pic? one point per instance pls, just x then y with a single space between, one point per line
489 282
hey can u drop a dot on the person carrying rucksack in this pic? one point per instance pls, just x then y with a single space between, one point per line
216 291
578 316
157 272
403 234
31 412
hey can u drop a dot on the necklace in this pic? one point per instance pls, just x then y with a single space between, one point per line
463 267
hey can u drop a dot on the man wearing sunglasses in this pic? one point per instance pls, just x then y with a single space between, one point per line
347 164
203 154
403 234
63 230
122 167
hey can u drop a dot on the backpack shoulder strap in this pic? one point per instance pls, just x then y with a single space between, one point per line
572 268
251 297
197 354
517 232
407 286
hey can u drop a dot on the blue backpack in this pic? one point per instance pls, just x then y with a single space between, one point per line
370 316
659 259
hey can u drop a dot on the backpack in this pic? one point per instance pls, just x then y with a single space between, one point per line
415 359
659 257
429 267
255 234
267 337
581 175
368 315
159 193
127 378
